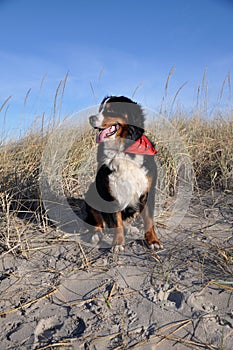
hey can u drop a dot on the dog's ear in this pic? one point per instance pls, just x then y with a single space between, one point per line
134 132
135 115
136 121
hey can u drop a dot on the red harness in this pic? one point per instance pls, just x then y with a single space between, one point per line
142 146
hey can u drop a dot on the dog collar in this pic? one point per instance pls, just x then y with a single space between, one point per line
142 146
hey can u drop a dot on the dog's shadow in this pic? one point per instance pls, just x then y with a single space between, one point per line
34 211
74 221
78 206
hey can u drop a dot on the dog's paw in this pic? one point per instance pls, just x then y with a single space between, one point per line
96 238
152 240
117 248
154 246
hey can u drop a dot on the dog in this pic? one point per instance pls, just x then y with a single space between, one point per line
126 175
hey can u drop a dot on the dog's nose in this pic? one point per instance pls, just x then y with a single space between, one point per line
92 119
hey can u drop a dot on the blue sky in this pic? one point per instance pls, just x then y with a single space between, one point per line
114 45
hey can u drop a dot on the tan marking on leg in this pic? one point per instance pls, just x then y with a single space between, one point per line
119 239
97 236
150 235
98 219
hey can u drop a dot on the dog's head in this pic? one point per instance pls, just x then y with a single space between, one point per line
118 117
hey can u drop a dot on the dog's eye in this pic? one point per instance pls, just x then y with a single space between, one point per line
110 112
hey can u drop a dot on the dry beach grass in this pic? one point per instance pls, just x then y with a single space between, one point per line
57 292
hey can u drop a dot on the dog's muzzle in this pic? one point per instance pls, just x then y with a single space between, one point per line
93 120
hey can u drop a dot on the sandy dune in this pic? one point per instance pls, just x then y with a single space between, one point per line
64 295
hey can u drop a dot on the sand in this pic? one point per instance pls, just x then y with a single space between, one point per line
61 294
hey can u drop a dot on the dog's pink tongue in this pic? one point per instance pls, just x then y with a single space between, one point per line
103 134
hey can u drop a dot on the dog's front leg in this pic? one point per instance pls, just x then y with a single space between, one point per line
95 219
150 234
119 239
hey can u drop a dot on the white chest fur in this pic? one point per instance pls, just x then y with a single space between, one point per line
128 180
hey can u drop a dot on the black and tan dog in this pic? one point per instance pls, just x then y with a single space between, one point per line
126 174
